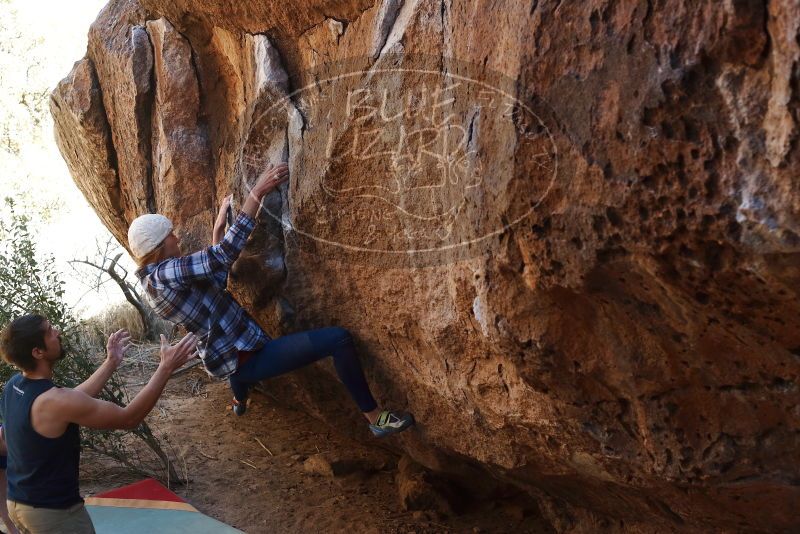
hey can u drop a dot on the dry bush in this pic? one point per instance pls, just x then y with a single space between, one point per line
125 316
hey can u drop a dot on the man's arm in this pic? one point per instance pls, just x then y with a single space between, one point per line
115 348
75 406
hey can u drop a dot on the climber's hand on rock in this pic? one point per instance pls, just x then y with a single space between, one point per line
271 178
219 223
223 209
224 206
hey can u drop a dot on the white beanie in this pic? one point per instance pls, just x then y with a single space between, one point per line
147 232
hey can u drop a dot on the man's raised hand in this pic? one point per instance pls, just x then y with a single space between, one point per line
173 357
117 344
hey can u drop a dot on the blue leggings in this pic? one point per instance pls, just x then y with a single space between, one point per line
294 351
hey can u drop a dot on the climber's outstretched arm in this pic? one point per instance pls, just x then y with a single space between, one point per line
222 217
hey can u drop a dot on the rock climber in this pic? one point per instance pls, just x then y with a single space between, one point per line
190 290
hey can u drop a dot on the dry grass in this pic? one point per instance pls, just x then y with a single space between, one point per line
141 358
122 316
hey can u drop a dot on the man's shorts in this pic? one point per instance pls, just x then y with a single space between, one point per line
30 519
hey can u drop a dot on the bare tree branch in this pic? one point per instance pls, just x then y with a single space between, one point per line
117 273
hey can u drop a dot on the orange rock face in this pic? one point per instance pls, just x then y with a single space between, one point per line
566 235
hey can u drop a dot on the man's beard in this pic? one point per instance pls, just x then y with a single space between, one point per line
62 353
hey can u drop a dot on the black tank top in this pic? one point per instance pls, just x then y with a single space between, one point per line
41 471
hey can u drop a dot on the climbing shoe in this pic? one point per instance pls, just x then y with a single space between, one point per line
391 423
239 407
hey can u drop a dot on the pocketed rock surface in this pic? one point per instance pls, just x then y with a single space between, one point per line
566 235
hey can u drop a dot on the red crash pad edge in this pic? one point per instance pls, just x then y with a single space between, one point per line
148 489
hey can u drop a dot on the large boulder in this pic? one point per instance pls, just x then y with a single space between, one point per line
566 235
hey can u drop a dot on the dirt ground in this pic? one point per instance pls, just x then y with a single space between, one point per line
303 476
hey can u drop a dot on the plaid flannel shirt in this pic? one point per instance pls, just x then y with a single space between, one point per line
190 290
